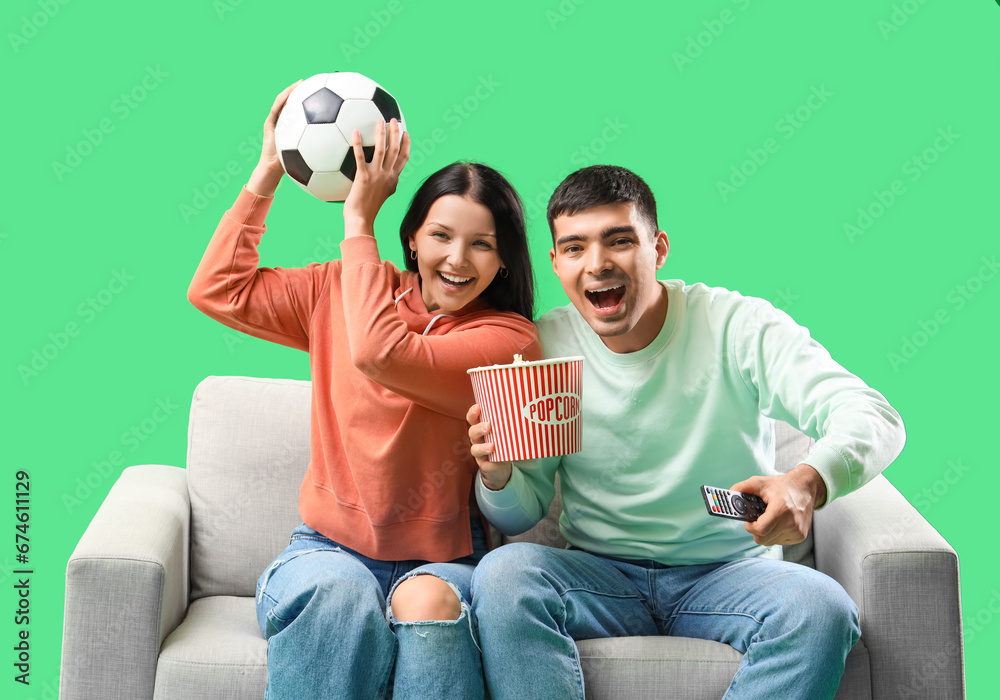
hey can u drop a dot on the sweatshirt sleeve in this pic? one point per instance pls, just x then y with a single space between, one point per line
430 370
524 500
274 304
793 378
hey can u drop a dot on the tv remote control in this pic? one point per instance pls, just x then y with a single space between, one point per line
732 504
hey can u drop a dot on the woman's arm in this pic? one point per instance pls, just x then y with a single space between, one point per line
430 370
275 304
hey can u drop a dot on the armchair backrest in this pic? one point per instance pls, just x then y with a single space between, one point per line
248 449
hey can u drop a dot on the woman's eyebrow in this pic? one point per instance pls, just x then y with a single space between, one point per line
438 224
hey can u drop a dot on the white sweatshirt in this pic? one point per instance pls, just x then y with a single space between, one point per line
696 406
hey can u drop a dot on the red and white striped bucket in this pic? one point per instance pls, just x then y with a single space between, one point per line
533 408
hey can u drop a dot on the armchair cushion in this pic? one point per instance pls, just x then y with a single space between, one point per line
216 654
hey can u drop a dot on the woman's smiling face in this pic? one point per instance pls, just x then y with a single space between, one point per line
456 249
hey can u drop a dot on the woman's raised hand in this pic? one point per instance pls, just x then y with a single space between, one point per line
268 172
375 181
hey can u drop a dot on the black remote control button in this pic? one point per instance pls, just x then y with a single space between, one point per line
739 504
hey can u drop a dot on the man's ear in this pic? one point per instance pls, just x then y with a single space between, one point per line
662 244
552 257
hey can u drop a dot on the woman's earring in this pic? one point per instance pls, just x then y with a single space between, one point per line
504 272
413 254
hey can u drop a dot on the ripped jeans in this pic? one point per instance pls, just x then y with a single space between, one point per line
322 608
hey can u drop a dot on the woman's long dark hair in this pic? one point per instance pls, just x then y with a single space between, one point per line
482 184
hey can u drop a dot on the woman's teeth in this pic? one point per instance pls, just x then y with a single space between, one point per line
455 279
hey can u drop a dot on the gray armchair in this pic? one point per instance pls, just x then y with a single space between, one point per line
160 589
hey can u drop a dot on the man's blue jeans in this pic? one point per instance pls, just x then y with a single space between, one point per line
322 608
794 625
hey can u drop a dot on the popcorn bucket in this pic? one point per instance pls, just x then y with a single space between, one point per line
533 407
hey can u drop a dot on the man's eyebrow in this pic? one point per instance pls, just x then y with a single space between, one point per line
562 240
624 228
605 234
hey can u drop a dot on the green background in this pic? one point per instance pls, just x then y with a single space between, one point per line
680 93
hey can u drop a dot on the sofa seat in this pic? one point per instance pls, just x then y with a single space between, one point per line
681 667
216 653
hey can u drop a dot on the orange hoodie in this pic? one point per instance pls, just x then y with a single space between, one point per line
390 471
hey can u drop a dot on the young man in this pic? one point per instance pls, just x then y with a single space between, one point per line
682 385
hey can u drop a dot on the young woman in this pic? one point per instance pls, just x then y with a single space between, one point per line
374 585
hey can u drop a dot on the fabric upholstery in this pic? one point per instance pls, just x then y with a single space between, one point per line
248 449
236 504
679 667
126 586
904 578
217 653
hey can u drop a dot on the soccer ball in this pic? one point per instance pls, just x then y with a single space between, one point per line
313 131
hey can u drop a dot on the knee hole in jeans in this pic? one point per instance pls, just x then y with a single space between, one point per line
425 597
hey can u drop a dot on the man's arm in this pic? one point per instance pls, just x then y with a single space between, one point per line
513 497
793 378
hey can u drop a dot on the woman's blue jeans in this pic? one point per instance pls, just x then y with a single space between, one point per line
322 608
794 625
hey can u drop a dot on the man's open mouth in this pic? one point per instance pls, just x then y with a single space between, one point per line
606 297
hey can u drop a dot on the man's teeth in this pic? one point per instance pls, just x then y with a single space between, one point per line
455 279
607 297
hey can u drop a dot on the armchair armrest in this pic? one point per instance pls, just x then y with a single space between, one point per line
904 578
126 586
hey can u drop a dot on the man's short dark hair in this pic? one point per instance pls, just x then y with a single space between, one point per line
598 185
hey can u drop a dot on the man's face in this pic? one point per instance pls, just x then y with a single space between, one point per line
606 259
